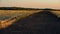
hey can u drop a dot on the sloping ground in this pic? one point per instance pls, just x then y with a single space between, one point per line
56 12
14 13
37 23
6 15
6 23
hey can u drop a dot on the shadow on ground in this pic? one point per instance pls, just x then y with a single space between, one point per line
39 23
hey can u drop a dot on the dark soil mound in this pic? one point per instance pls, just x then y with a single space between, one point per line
39 23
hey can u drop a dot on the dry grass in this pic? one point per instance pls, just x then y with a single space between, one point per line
56 12
12 13
20 13
6 23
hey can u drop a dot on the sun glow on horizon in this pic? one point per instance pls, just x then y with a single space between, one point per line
30 3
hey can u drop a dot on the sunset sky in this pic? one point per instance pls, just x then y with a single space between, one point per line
31 3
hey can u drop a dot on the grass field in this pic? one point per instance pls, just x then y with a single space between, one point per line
20 13
14 13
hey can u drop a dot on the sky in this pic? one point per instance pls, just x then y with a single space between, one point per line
31 3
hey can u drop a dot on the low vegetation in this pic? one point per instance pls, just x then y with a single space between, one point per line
18 14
